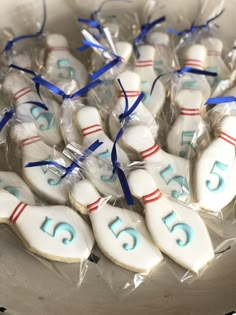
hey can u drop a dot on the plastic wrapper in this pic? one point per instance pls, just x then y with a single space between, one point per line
26 101
61 67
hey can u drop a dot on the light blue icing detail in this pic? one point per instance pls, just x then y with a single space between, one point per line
178 179
132 232
58 228
51 181
186 135
221 184
64 64
12 190
189 84
157 65
38 114
179 226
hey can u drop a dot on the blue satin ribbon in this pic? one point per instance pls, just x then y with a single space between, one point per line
7 116
11 42
182 71
74 164
220 100
106 67
98 11
145 29
39 81
195 28
115 163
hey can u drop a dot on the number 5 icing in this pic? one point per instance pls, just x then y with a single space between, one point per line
47 122
215 170
121 234
54 232
42 182
177 230
170 172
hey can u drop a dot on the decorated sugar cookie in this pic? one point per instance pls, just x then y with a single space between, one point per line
47 121
195 57
61 65
165 58
41 180
181 134
171 173
177 230
215 169
12 183
145 68
89 121
131 83
54 232
120 234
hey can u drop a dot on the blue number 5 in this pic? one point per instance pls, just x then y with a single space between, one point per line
59 227
65 65
132 232
218 166
179 226
37 113
178 179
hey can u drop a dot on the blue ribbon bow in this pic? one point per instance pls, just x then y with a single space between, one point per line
11 42
195 28
74 164
220 100
39 81
182 71
107 66
115 163
145 29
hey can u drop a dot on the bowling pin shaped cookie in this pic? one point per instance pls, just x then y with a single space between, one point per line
215 169
42 181
131 84
144 67
181 134
195 57
54 232
90 124
171 173
165 58
120 234
12 183
176 229
47 121
215 63
61 66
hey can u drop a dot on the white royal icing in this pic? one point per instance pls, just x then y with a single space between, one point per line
215 179
121 234
54 232
177 230
171 173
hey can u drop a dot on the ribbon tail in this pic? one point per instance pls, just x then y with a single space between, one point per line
125 186
220 100
7 116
